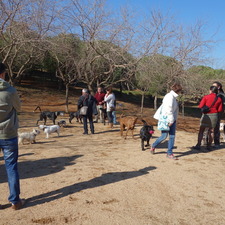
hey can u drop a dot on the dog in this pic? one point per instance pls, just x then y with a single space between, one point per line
222 130
104 115
145 134
62 123
28 136
205 137
47 114
50 129
77 115
128 122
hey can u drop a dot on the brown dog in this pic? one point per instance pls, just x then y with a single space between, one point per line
129 123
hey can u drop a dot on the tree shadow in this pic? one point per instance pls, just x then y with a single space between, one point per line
104 179
107 131
39 168
44 142
68 135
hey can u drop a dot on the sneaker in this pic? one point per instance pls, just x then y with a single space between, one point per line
152 151
216 146
18 205
85 133
172 157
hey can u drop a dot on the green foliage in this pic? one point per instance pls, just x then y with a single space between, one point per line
155 73
208 72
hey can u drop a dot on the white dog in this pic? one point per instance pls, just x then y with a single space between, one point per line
50 129
205 137
28 136
222 130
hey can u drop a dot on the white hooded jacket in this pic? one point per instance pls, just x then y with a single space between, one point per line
169 107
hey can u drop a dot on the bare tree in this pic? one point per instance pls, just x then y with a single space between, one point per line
24 24
66 49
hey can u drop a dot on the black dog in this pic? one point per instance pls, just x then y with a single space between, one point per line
62 123
104 114
145 134
48 115
77 115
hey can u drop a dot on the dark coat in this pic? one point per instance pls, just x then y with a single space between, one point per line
89 101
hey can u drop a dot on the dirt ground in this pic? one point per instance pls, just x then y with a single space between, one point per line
104 179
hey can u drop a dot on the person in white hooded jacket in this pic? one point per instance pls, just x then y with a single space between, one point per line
169 108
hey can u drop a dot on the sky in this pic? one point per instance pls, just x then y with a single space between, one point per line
188 12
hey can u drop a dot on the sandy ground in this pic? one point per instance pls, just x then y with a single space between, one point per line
104 179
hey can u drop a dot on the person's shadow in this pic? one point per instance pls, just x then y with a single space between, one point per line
41 167
104 179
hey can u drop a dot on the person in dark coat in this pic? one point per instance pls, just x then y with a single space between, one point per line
86 99
221 95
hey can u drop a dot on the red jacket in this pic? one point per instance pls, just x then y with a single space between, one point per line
99 97
208 100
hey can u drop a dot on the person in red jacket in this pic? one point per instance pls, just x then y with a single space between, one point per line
99 96
209 119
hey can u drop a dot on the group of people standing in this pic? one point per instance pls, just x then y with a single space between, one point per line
10 105
210 120
96 106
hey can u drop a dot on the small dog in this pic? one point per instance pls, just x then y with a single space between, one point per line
104 115
62 123
50 115
205 137
77 115
222 130
128 122
50 129
145 134
28 136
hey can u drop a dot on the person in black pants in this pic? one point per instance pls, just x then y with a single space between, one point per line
217 128
86 99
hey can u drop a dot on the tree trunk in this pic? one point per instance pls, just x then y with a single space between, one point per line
155 101
121 89
182 107
67 98
142 102
91 89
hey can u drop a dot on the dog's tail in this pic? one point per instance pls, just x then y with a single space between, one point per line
144 122
135 120
38 107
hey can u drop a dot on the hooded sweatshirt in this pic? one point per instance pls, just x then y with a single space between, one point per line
9 105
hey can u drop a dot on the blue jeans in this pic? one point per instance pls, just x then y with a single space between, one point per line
164 135
114 117
10 151
110 117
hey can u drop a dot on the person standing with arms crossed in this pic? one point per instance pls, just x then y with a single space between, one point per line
99 96
9 105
